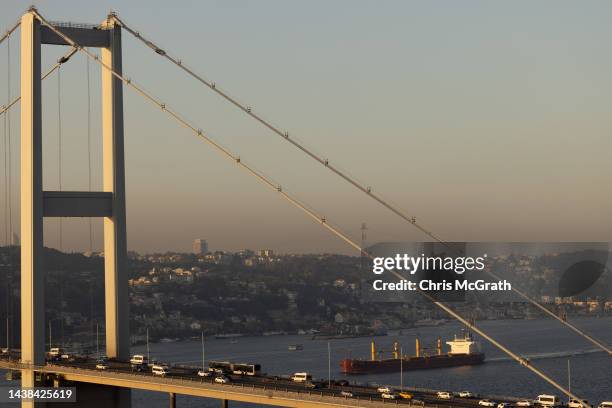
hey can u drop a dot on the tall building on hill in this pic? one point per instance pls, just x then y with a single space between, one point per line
200 246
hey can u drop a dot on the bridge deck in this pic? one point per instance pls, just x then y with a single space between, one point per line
270 395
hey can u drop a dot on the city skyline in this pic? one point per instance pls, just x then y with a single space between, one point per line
406 107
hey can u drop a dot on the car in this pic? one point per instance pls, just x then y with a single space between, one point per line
383 388
389 395
503 405
524 403
406 395
101 364
341 383
5 350
444 395
465 394
605 404
574 403
222 379
312 385
347 394
204 373
486 403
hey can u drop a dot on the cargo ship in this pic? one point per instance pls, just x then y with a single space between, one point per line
463 351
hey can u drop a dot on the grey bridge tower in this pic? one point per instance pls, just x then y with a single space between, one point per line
36 203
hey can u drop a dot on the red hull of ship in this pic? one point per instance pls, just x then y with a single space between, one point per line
350 366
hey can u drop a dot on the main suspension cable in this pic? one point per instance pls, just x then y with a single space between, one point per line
51 70
311 213
325 162
283 134
8 32
543 308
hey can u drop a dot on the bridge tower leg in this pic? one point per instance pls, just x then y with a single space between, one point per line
32 277
115 236
115 241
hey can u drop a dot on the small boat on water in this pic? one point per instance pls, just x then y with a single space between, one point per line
228 335
295 347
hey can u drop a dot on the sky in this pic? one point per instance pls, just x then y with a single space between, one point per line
487 121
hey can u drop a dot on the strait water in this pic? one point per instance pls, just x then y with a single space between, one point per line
547 343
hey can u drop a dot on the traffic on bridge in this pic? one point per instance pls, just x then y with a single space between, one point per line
220 374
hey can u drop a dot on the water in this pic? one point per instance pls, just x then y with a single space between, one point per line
548 344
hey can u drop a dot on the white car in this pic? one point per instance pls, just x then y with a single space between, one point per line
465 394
204 373
383 388
389 395
444 395
574 403
605 404
524 403
486 403
503 405
222 380
101 365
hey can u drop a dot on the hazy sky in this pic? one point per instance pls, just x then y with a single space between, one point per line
486 120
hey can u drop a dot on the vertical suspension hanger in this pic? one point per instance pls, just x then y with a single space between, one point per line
5 134
8 127
91 277
89 147
59 139
60 232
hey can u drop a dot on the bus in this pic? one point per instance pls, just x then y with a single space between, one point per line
234 368
246 369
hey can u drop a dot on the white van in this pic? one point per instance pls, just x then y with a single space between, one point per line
547 400
160 370
139 359
301 377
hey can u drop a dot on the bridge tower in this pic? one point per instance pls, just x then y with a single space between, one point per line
36 203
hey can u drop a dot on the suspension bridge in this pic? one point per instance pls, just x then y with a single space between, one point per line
111 387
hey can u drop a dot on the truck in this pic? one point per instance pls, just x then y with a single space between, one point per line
139 362
55 353
547 400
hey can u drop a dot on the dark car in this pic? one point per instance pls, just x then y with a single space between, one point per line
312 385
